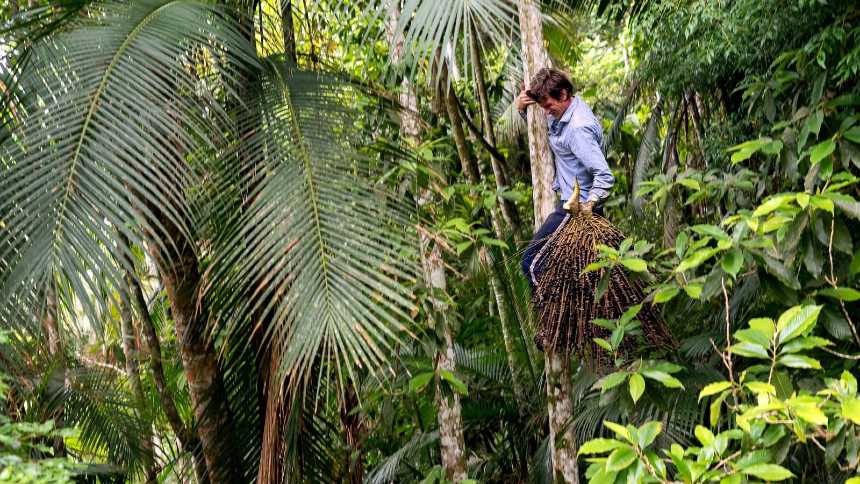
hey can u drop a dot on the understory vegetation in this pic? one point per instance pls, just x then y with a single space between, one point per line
279 241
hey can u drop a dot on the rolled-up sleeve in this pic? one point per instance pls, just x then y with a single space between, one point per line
585 144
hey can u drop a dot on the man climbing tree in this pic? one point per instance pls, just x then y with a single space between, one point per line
575 137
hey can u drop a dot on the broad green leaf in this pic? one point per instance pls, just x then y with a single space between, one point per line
693 290
455 382
666 379
648 432
773 203
750 350
714 388
696 259
665 294
768 472
851 410
637 386
807 343
599 446
764 326
758 387
796 321
620 459
853 134
611 380
821 150
798 361
705 436
619 430
711 230
853 480
732 262
846 294
419 381
822 203
635 264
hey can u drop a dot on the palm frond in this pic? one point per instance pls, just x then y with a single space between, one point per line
312 249
109 111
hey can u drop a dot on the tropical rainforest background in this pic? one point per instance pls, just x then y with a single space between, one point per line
279 241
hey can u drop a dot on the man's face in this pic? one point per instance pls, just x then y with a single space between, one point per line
555 107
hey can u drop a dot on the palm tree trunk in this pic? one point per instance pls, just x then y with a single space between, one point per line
647 148
535 58
671 211
181 278
132 370
188 440
559 404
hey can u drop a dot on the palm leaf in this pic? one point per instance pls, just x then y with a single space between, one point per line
312 249
108 112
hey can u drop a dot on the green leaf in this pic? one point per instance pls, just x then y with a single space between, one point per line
852 134
799 361
796 321
851 410
599 446
456 383
821 150
649 432
715 408
768 472
853 480
611 380
666 379
773 203
419 381
696 259
693 290
759 387
705 436
732 262
619 430
750 350
603 344
637 386
620 459
806 343
665 294
635 264
714 388
846 294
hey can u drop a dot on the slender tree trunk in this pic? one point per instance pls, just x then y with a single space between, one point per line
452 445
500 171
535 58
559 404
354 427
132 370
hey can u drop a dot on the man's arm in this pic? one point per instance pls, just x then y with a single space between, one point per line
585 143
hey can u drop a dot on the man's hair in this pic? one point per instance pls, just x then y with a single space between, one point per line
549 82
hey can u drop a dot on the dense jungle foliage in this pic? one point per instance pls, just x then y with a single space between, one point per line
279 241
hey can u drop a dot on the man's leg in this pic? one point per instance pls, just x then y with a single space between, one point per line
538 241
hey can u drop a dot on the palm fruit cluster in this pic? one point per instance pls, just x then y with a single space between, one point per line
564 298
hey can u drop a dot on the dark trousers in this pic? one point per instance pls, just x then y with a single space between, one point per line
531 269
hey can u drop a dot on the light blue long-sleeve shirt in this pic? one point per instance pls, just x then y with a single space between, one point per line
575 140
